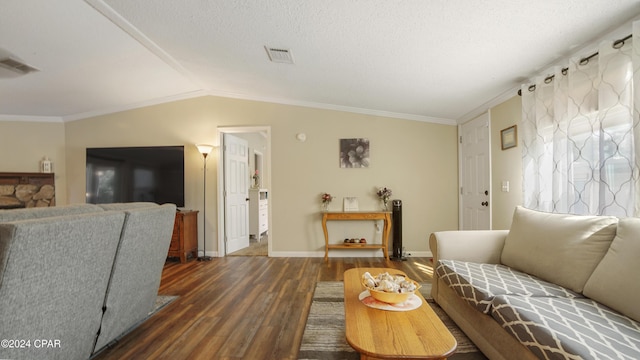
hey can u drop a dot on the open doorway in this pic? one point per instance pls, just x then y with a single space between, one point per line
257 184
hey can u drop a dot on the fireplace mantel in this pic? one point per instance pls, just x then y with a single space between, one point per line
26 190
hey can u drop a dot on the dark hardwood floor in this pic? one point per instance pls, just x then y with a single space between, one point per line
240 307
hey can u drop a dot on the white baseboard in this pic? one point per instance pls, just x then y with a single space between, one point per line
344 253
209 253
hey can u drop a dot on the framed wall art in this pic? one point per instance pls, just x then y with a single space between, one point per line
509 137
354 153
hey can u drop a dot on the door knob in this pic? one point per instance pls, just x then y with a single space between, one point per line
486 192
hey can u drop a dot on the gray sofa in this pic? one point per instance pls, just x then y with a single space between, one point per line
74 278
554 286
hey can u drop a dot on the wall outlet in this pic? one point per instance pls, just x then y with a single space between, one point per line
378 227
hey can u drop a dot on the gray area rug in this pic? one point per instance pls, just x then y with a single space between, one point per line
324 337
161 301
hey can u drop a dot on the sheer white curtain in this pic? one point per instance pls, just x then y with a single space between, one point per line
581 134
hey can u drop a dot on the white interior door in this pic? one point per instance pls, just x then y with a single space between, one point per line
236 193
475 174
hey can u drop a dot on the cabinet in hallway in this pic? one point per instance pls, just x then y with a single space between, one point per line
258 212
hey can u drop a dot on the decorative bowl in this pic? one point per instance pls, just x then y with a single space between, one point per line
392 297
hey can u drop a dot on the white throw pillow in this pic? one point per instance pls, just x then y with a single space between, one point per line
561 248
615 281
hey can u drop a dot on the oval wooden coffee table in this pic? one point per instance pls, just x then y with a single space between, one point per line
380 334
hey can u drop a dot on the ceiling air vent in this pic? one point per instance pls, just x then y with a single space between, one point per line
279 55
17 66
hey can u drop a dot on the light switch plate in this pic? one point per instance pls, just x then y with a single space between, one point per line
505 186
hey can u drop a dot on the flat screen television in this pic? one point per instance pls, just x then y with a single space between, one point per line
131 174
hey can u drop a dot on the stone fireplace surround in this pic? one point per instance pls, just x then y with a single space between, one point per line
27 190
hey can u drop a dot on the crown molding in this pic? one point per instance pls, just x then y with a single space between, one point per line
504 96
113 110
28 118
323 106
200 93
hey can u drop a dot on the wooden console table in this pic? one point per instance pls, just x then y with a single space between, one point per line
357 215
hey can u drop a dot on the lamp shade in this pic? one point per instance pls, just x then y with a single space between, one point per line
204 149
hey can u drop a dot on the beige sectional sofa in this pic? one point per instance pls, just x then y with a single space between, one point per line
554 286
74 278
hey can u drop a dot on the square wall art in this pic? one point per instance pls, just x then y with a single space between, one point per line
354 153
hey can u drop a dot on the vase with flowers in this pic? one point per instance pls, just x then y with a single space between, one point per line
256 179
384 194
326 200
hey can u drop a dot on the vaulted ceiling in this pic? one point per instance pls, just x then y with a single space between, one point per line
436 60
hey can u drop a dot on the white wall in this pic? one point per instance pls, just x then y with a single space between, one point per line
24 144
506 164
417 160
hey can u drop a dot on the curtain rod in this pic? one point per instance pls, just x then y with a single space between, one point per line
584 61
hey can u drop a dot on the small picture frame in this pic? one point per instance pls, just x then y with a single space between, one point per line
509 137
350 204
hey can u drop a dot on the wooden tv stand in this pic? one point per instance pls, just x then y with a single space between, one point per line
184 241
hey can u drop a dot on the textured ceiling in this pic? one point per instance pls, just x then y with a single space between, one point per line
437 60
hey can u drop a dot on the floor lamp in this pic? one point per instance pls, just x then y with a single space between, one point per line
204 150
